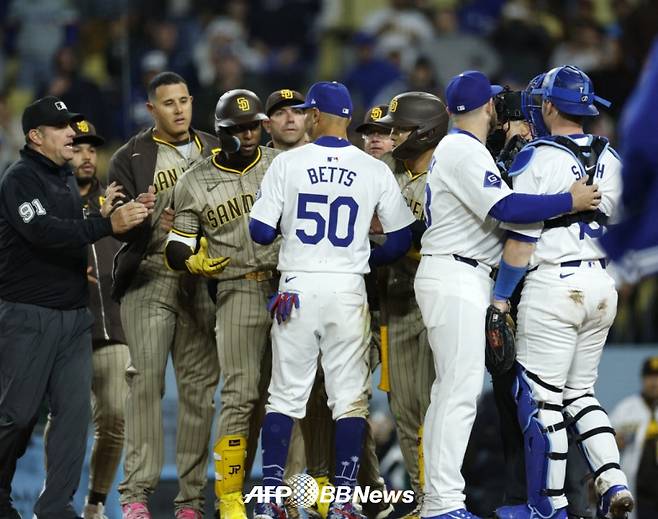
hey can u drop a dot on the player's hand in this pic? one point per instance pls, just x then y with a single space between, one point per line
113 196
280 305
167 219
90 276
128 216
148 199
584 197
201 265
503 306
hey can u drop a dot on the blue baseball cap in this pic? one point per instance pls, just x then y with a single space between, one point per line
469 90
329 97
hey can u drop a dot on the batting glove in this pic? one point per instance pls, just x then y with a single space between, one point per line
280 305
201 265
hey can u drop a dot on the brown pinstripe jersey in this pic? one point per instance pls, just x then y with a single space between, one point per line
413 191
217 200
170 164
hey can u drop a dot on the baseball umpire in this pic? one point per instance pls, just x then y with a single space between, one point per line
163 312
45 339
213 200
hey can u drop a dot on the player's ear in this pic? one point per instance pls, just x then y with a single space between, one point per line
267 125
150 107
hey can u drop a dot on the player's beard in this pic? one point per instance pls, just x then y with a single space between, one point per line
85 180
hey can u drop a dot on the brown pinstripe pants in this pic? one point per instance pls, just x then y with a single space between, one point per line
245 355
165 312
108 395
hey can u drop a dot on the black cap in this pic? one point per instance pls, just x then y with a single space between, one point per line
650 366
370 119
283 97
85 132
47 111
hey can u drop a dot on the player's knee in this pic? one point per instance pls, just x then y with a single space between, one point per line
349 409
288 408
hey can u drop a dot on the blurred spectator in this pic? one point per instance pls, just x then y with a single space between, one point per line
636 421
11 135
43 27
452 51
81 94
523 41
228 72
370 74
152 64
585 47
223 37
284 33
400 26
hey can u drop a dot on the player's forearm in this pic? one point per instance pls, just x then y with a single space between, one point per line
513 266
396 245
176 253
524 208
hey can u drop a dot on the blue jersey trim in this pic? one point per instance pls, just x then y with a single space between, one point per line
464 132
521 161
329 141
521 237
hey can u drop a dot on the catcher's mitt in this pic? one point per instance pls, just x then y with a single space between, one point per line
500 351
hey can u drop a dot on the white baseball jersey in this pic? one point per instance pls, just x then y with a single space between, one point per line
324 196
551 171
463 184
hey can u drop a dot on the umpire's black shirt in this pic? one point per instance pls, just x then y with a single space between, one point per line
43 236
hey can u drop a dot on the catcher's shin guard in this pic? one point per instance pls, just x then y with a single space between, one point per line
596 439
229 453
545 441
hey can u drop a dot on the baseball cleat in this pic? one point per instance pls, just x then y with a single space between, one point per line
377 510
526 512
615 503
135 511
344 511
231 506
461 513
269 511
94 511
188 513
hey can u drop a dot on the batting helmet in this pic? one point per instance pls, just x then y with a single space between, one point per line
237 107
424 114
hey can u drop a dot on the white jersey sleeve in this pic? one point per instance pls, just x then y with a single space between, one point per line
477 184
268 206
529 182
392 210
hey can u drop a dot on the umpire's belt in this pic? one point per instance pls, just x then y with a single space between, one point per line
261 275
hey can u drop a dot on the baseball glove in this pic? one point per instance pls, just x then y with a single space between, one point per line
201 265
500 351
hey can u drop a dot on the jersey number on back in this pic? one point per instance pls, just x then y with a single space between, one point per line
327 227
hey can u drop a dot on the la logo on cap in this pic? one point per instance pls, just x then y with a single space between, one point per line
60 106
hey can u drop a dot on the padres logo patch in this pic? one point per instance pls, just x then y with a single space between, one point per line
376 113
286 94
243 104
394 105
83 126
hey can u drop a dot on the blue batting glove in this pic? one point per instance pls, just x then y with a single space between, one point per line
280 305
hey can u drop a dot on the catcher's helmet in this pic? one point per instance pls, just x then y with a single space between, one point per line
423 113
531 101
237 107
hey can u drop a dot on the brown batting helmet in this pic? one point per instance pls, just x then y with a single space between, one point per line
237 107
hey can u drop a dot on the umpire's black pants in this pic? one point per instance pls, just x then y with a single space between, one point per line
45 353
576 483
